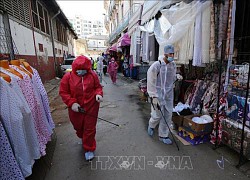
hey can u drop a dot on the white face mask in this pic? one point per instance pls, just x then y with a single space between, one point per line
81 72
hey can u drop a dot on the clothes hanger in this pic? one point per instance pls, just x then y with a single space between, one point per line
5 65
26 65
17 63
5 77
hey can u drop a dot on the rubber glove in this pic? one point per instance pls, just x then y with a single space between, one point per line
75 107
98 98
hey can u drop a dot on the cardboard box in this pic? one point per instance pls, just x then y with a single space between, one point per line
193 139
177 120
197 128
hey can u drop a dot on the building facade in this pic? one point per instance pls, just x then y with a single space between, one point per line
92 31
117 16
38 31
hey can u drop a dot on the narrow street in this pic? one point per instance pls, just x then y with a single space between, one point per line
130 143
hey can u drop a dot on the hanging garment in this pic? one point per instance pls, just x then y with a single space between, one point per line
222 13
13 121
210 99
41 123
221 117
202 37
212 34
151 48
8 164
198 94
36 79
39 101
29 124
185 47
144 46
191 94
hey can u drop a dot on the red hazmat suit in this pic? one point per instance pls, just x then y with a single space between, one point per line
82 90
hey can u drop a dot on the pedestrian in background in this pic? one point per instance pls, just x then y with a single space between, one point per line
82 92
99 68
112 70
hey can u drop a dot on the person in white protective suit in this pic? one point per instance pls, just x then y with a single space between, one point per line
161 77
99 68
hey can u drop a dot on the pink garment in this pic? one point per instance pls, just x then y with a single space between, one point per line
35 104
44 97
113 76
112 70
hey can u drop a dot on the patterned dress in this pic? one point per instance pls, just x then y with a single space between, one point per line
8 164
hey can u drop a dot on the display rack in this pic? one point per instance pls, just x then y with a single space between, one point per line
238 85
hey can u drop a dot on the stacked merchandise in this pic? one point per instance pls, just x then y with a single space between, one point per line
26 122
231 136
231 121
201 101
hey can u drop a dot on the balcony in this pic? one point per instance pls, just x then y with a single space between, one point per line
123 24
112 7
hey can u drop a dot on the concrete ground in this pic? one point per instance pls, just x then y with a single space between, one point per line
127 152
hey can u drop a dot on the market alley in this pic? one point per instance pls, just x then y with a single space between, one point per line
129 143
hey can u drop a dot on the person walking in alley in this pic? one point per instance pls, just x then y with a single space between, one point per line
160 82
99 68
82 92
112 70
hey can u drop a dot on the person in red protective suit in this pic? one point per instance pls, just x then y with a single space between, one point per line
81 89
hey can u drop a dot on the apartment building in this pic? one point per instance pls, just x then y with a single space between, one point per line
92 31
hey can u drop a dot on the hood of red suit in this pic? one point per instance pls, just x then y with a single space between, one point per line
81 63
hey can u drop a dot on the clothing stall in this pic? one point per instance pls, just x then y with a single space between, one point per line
26 123
214 63
232 121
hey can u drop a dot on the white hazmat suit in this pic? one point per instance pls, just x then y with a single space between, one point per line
160 84
99 68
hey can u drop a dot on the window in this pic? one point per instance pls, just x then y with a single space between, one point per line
94 26
18 9
77 26
55 50
40 47
46 19
61 32
35 14
60 51
40 17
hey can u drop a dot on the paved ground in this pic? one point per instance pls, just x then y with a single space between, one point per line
128 145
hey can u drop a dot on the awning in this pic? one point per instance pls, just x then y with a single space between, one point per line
113 47
124 40
150 8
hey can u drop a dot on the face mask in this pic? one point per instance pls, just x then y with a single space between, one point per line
170 59
81 72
